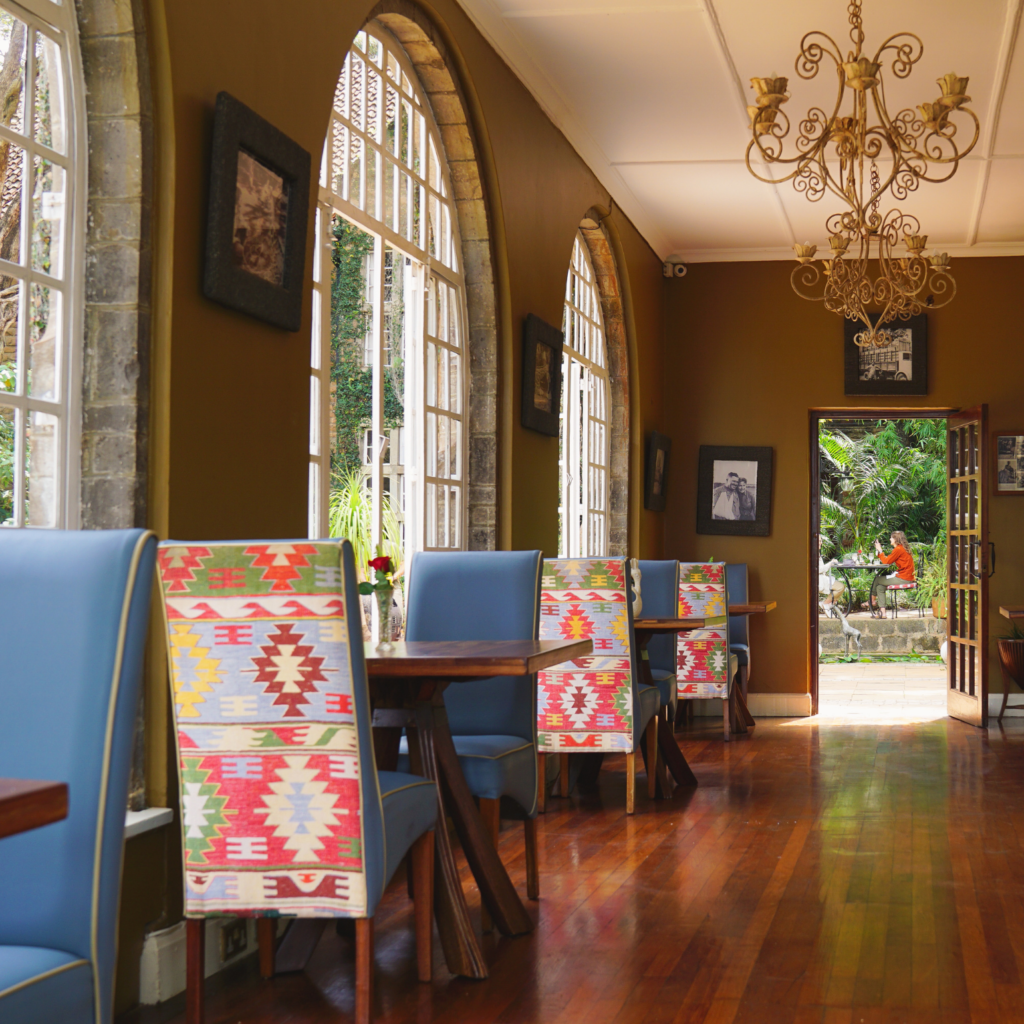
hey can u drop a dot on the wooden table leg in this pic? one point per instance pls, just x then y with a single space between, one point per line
675 761
496 888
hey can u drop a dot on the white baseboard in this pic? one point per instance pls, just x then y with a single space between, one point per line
163 958
762 705
995 702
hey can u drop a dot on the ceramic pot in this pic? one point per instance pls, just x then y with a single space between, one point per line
1011 658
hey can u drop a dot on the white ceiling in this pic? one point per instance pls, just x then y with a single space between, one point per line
653 96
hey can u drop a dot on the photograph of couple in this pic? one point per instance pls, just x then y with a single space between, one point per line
734 496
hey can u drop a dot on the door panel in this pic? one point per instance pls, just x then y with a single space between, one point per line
967 536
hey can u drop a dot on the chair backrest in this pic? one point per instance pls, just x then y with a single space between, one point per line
480 595
702 655
736 586
72 636
281 811
588 703
661 597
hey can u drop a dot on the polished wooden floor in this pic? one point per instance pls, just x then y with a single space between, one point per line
825 873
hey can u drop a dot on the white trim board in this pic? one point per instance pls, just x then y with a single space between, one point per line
137 822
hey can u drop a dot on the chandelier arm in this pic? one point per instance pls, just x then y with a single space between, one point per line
812 52
904 59
943 286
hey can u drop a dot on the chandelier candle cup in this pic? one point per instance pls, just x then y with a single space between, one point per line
861 155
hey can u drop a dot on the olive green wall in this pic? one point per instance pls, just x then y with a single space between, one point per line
746 359
238 418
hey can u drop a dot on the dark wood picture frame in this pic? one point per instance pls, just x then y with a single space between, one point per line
655 474
273 292
542 392
708 492
1000 489
889 369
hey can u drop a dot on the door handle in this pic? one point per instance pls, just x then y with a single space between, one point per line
992 549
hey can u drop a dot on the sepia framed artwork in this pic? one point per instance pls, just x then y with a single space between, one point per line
542 376
734 490
656 471
899 368
258 213
1008 462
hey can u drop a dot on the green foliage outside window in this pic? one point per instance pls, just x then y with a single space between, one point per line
6 448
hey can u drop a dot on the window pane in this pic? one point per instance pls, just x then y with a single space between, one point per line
7 435
43 341
13 41
47 216
12 163
41 450
10 301
49 92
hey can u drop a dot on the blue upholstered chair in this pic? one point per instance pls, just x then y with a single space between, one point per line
72 634
660 590
486 595
739 625
285 811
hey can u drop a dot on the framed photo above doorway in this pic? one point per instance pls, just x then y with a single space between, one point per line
734 491
1008 462
899 368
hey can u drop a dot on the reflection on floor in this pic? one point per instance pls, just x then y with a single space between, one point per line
882 693
822 873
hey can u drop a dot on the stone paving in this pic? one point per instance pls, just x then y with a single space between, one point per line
885 693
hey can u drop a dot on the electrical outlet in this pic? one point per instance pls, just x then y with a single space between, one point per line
234 938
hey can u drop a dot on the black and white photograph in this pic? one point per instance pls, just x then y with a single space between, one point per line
735 490
1008 465
900 367
734 486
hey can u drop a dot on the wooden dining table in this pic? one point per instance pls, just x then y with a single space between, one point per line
1012 611
407 685
26 804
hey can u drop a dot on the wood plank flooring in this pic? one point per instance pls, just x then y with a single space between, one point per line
830 873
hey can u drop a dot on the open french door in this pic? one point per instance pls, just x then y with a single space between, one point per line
967 537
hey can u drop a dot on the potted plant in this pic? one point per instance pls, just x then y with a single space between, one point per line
932 584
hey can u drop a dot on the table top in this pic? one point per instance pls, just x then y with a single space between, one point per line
877 566
26 804
667 625
475 659
752 607
1012 611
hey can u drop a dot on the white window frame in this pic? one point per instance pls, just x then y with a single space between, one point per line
584 422
59 23
443 265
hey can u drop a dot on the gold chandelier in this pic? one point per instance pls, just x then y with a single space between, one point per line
838 153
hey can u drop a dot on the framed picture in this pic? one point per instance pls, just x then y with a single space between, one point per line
542 375
656 471
1008 462
259 209
734 491
899 368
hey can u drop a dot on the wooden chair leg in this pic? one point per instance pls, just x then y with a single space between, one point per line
532 872
266 940
490 811
542 782
195 962
631 782
422 870
726 722
652 756
563 774
364 970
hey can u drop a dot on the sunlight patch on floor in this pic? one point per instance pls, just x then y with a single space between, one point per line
895 692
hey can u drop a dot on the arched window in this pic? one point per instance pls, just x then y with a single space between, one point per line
583 438
41 164
389 361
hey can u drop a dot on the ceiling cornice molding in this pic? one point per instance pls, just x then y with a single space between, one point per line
494 27
781 253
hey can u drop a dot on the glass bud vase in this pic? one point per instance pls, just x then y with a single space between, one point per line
384 631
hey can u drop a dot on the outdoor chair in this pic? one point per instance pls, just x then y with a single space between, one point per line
285 813
594 704
72 637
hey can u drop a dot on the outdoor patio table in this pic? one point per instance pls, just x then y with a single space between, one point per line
25 805
877 568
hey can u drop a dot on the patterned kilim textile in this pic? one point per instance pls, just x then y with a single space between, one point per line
586 703
263 702
702 655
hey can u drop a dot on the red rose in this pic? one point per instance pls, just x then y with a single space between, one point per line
382 564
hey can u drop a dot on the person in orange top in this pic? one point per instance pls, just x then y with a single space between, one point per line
904 562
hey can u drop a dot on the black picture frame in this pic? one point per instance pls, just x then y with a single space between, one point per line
253 265
732 460
542 391
889 370
656 460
